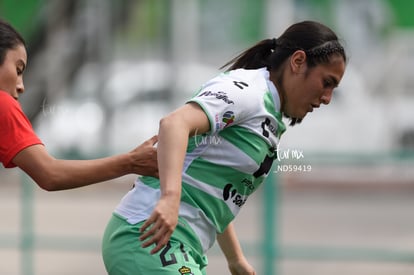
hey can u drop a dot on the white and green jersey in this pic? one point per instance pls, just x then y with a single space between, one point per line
223 167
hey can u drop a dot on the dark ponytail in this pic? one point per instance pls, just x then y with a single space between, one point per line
317 40
254 57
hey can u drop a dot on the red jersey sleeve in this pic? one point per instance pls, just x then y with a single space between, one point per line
16 132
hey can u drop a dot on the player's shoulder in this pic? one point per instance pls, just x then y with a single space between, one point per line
7 102
5 98
248 79
240 79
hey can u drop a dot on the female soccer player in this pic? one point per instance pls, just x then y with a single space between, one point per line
19 145
216 150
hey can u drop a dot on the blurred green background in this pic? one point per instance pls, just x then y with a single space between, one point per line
95 67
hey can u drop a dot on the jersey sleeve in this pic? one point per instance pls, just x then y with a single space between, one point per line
225 103
16 132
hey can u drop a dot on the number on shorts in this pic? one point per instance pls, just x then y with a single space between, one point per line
172 259
164 260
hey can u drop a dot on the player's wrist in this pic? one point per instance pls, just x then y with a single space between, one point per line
174 195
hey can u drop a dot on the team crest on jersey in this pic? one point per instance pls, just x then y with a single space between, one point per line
228 118
267 127
185 271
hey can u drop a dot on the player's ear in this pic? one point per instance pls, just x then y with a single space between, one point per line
298 61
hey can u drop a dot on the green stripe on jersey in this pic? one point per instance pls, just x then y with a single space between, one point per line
269 104
219 176
271 108
248 142
151 182
215 209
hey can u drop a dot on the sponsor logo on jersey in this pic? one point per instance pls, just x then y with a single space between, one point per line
185 270
268 126
219 95
240 84
230 193
248 183
228 118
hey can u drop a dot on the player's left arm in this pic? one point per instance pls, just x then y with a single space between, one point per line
232 250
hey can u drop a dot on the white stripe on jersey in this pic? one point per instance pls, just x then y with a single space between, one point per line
138 204
200 224
226 154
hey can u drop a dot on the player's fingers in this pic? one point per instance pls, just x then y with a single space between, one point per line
156 238
155 231
153 140
156 174
144 227
148 228
149 242
149 223
160 244
150 232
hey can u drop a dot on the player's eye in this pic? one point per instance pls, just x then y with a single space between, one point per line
328 83
19 71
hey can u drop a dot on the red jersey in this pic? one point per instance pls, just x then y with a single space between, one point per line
16 132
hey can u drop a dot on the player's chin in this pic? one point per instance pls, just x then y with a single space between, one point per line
294 120
300 116
305 112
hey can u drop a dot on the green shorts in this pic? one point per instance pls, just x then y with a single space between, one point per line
123 254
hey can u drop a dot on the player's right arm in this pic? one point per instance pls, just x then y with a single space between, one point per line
174 131
56 174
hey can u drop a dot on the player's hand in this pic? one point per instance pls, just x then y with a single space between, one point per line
144 158
241 267
161 224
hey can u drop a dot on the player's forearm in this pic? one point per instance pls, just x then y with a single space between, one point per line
172 144
230 245
68 174
53 174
